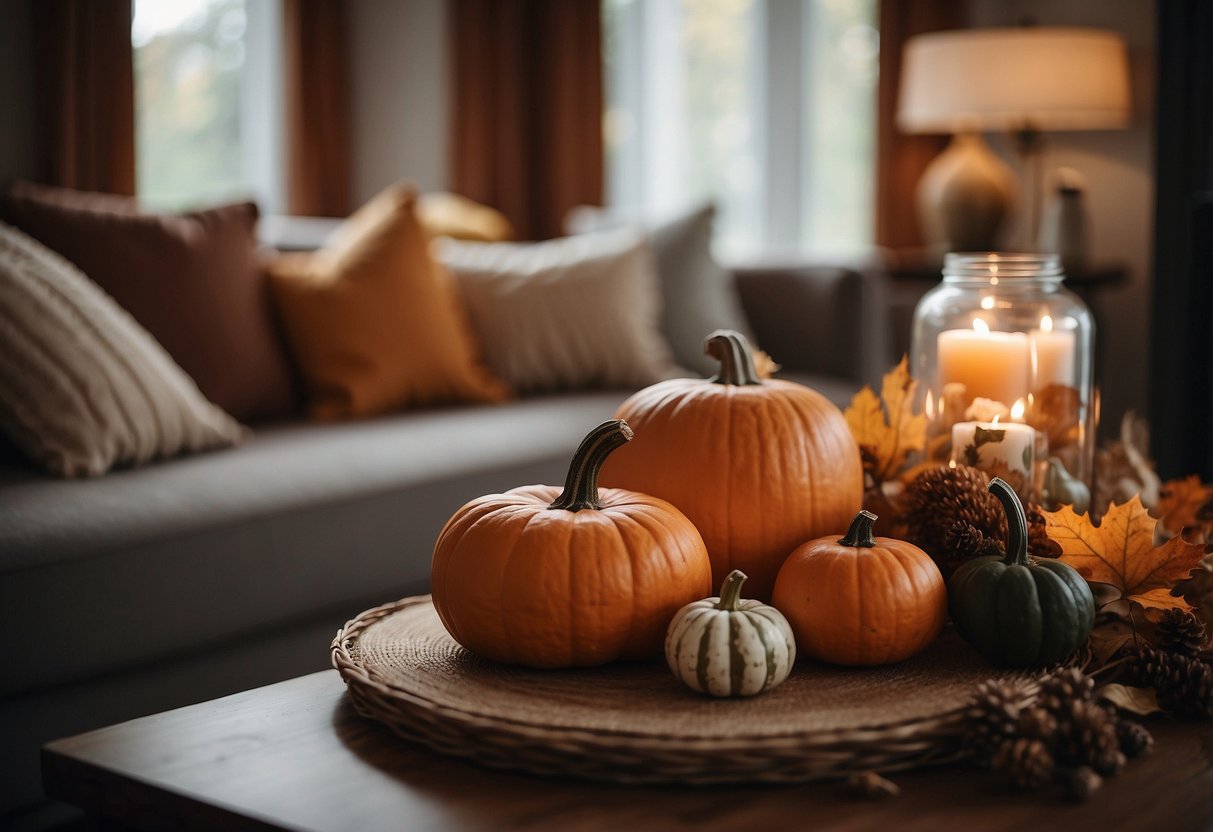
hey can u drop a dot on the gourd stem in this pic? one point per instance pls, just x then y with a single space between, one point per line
730 591
860 532
1017 522
581 485
732 350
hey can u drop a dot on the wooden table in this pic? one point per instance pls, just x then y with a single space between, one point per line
295 756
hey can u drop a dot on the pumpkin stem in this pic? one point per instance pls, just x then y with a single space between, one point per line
581 485
860 532
1017 522
732 350
730 591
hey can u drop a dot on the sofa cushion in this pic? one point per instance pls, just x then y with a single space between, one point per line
164 559
444 214
192 280
374 323
698 294
83 387
567 314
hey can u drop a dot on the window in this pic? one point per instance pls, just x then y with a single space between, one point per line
767 106
206 105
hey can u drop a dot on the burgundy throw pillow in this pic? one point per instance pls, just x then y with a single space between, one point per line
191 279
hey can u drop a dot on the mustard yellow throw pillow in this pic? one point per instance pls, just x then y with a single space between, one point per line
374 323
444 214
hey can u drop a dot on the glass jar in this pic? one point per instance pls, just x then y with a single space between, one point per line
1003 354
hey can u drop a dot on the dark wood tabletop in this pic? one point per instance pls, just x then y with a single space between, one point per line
295 756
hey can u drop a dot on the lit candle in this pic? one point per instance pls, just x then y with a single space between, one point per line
992 365
1053 355
989 445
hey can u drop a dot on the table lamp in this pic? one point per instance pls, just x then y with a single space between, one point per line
1024 80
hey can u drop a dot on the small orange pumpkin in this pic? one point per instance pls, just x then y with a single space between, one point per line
861 600
759 466
548 578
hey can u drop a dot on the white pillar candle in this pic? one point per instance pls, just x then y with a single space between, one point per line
987 444
991 365
1053 355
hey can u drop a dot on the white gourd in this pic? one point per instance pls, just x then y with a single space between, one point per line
727 646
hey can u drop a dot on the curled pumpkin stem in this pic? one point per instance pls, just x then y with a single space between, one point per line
732 350
581 485
1017 522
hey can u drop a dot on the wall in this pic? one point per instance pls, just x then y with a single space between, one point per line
16 93
1119 169
399 76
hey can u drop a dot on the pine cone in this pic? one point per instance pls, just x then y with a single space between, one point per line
1037 724
1028 763
1083 782
1058 689
940 497
1040 545
1184 684
1135 740
990 720
1086 736
1180 633
963 541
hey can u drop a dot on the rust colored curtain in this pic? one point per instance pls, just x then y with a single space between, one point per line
85 94
527 109
901 159
315 37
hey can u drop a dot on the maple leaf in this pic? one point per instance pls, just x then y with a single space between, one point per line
1120 551
887 428
1181 504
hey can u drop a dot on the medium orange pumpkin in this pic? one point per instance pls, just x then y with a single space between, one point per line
548 578
759 466
861 600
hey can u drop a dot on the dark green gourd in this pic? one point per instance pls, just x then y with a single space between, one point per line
1017 610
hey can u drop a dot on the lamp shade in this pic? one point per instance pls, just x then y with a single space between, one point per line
1045 78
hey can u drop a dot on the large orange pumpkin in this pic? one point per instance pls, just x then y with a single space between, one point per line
861 600
759 466
548 578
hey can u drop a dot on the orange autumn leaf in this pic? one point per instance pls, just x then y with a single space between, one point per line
1120 551
887 428
1179 506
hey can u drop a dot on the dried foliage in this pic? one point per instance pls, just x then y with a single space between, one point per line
1120 551
1122 468
1186 506
887 428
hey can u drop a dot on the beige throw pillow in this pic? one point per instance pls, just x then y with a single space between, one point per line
83 387
565 314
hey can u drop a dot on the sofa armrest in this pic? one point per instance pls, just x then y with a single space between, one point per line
825 320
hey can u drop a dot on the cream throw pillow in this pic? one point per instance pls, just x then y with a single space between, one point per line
83 387
565 314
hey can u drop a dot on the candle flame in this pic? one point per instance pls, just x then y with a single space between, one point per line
980 326
994 421
987 302
928 406
1046 323
1017 410
951 463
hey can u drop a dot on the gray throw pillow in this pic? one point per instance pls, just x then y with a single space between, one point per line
698 294
565 314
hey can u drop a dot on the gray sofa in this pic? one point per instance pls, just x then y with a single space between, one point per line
193 578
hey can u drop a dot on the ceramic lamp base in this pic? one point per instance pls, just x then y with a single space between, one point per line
964 196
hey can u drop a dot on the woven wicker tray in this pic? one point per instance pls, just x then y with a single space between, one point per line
636 723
